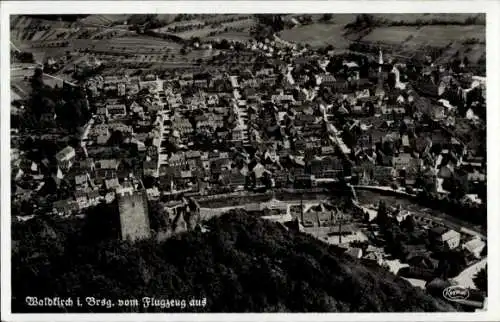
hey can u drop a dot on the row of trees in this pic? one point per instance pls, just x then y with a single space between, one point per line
22 57
363 21
473 20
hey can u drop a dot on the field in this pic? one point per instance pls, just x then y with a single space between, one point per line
181 24
142 44
88 35
211 27
474 52
428 17
231 35
103 19
410 39
119 45
403 40
430 35
317 35
28 29
20 87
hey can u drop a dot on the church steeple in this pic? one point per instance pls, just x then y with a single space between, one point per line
380 60
380 84
380 63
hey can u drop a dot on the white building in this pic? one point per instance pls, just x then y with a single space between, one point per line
65 158
474 246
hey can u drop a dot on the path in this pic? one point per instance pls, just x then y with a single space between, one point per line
465 278
15 47
33 66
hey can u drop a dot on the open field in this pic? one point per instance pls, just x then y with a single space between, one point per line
103 19
208 26
404 40
15 94
459 18
191 22
430 35
21 22
428 17
316 35
28 29
410 39
231 35
138 44
21 86
474 52
197 32
53 34
224 18
119 45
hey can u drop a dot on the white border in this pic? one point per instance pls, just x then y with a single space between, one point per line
109 7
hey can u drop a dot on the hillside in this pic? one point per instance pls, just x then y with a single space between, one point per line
404 35
241 264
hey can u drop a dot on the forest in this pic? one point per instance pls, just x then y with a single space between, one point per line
238 263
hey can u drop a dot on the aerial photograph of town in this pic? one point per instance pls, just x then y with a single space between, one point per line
230 163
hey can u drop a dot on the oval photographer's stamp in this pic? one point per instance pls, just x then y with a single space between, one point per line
456 293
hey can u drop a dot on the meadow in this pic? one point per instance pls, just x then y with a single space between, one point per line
317 35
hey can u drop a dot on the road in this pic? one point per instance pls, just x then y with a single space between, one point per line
60 79
33 66
15 47
465 278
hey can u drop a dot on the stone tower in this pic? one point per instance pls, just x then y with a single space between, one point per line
134 220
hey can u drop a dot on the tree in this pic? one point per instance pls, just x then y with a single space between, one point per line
451 263
327 17
362 21
274 21
382 217
116 138
158 217
37 79
481 279
457 186
296 271
408 224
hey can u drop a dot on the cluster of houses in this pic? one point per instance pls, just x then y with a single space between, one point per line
281 117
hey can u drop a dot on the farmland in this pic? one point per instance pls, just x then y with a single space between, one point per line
104 20
136 44
108 38
231 35
406 35
457 18
210 27
32 29
316 35
430 35
117 45
454 38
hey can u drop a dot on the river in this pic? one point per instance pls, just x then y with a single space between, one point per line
371 197
365 198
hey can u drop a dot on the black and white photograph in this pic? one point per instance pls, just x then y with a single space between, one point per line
247 162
